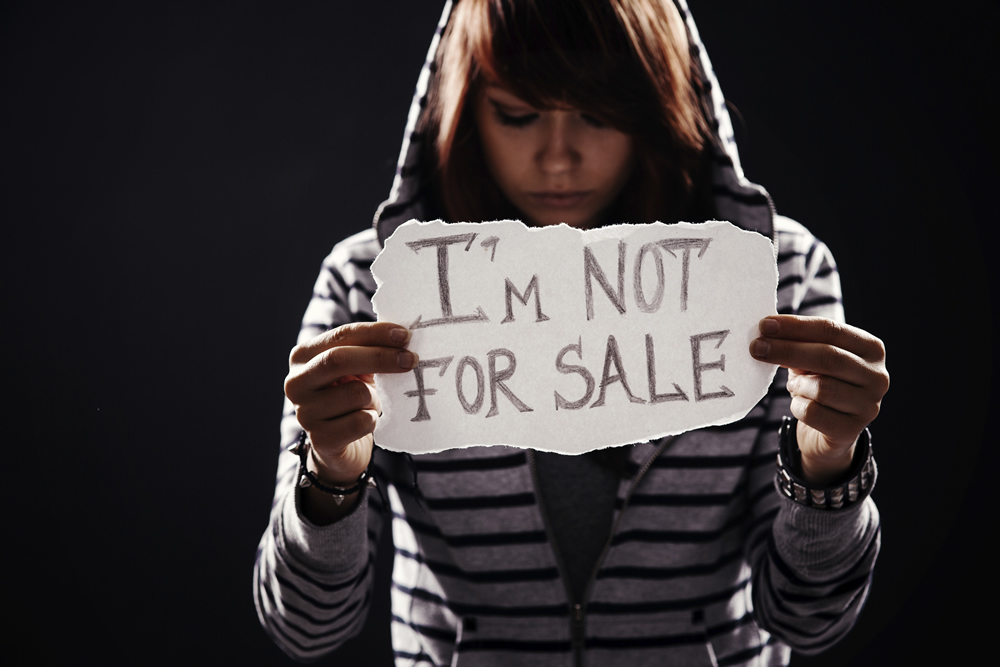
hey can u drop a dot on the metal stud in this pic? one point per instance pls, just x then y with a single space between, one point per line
837 497
801 495
304 481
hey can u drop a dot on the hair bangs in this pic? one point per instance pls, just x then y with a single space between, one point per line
575 53
625 62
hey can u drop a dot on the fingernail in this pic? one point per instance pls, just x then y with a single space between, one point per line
399 335
406 359
759 348
769 327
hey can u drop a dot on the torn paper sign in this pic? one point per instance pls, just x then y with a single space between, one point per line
565 340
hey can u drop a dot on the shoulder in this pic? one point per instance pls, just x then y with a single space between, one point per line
792 237
348 266
344 287
359 249
808 281
798 250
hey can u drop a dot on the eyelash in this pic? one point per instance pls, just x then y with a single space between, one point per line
515 121
524 121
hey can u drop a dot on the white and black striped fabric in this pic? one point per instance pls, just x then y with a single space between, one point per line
707 563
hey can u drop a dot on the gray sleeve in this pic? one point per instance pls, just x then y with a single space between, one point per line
313 584
811 567
815 571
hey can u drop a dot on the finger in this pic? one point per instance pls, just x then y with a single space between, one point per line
331 438
336 401
336 363
372 334
814 358
839 428
824 330
833 393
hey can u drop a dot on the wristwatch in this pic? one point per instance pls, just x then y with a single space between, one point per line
788 479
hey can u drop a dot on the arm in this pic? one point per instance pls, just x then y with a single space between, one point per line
313 575
812 567
312 584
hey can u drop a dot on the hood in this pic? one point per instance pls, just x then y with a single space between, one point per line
735 199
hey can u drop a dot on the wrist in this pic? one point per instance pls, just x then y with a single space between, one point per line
325 500
345 472
308 476
847 488
322 509
825 471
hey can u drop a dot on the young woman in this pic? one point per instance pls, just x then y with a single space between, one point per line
681 551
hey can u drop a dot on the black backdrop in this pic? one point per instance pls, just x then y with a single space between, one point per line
172 176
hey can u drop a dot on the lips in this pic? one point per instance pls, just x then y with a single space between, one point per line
560 199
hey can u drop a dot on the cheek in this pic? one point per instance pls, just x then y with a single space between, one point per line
617 160
489 140
504 158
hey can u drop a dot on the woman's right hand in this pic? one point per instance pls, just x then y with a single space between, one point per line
331 383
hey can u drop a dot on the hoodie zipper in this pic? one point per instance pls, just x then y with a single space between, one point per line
578 608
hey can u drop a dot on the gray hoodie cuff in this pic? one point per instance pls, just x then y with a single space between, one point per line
821 544
340 547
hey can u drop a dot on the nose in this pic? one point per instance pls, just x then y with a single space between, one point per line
558 152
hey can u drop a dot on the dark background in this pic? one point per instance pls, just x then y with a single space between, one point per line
172 175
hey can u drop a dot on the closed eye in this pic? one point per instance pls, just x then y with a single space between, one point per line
511 120
592 121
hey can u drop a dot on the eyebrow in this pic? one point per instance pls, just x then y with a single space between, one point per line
500 106
501 103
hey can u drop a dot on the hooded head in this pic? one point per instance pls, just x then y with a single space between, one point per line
625 63
633 65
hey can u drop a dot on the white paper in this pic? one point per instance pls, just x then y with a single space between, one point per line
494 370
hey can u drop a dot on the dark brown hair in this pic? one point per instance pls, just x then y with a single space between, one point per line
626 62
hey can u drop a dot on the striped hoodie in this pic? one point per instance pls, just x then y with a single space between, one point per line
706 563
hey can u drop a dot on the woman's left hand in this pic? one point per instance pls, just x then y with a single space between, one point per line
837 378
